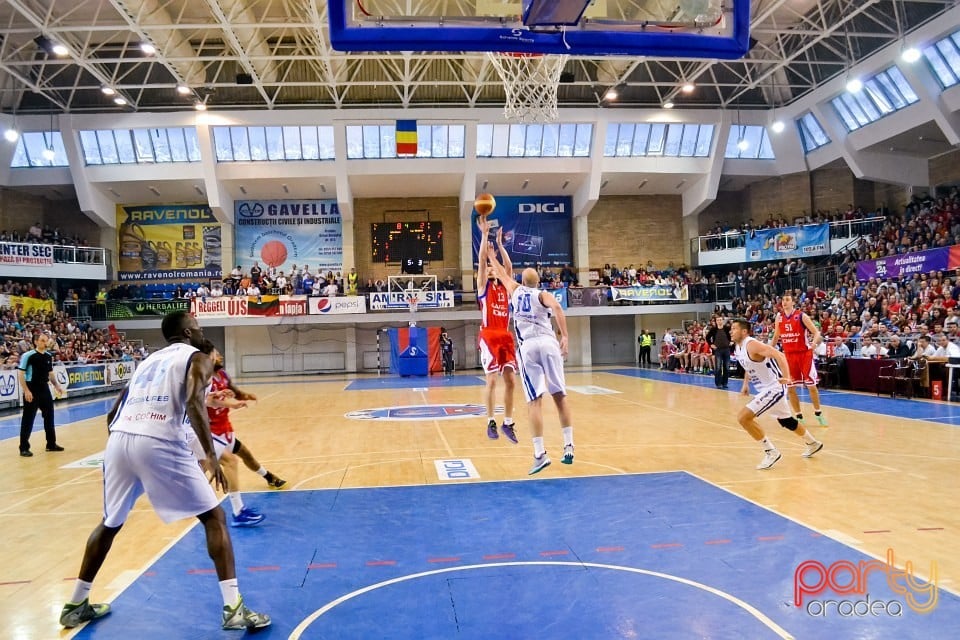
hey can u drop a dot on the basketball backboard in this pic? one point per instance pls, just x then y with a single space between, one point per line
717 29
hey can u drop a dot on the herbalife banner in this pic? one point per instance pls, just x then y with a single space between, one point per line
168 242
642 293
120 309
536 229
788 242
283 233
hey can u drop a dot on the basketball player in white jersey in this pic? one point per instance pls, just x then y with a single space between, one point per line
766 368
540 356
148 451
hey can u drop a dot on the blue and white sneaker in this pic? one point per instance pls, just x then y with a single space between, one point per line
247 518
567 454
539 464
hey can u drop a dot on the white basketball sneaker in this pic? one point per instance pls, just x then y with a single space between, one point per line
769 459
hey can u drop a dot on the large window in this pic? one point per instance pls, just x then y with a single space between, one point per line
626 140
884 93
534 140
372 142
39 149
140 146
812 135
748 142
271 144
943 57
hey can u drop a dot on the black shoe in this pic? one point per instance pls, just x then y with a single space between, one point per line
54 447
26 454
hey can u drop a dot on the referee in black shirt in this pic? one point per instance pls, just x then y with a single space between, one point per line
36 368
719 339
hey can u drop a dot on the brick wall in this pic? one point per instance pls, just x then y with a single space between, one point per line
945 169
893 196
787 195
865 194
832 187
19 210
370 210
634 229
728 209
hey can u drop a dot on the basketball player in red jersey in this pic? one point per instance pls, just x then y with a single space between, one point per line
498 353
791 330
223 396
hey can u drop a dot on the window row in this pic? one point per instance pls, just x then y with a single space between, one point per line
881 95
257 144
749 142
943 57
812 135
655 139
372 141
40 149
140 146
534 140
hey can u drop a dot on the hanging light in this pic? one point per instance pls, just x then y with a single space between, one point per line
668 104
854 85
11 135
778 126
910 55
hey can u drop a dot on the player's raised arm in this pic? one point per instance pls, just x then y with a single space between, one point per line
482 254
504 256
499 272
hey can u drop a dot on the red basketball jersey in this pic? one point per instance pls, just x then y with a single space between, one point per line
793 333
219 416
494 306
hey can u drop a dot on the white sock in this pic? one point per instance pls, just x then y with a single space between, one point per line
81 590
236 502
767 445
808 438
568 436
230 592
507 420
262 472
538 449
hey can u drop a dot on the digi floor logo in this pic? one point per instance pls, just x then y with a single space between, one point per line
813 582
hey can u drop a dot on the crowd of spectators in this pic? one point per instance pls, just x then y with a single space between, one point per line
67 247
26 290
724 235
76 341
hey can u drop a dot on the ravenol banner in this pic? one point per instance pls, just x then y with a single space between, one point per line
536 229
283 233
645 293
788 242
168 242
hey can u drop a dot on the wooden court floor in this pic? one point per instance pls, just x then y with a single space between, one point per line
881 482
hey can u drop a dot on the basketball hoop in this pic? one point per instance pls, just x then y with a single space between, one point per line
530 81
413 299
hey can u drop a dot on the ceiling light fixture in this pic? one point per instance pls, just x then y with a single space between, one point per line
778 126
688 87
183 89
120 100
60 50
200 106
668 104
910 55
742 144
11 135
611 94
854 85
48 154
107 91
148 48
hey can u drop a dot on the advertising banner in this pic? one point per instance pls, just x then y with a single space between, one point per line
587 297
647 293
26 305
283 233
21 253
788 242
168 242
560 295
235 306
939 259
293 306
397 300
536 229
9 386
347 304
120 309
118 372
84 376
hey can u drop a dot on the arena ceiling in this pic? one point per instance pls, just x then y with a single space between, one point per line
282 49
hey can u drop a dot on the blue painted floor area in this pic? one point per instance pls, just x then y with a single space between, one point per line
944 412
64 414
662 555
430 382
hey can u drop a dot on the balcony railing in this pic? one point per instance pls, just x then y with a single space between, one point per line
738 239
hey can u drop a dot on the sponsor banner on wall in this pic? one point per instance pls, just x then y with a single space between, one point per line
237 306
283 233
788 242
22 253
643 293
346 304
84 376
118 372
939 259
536 229
293 306
398 300
168 242
560 295
587 296
119 309
9 385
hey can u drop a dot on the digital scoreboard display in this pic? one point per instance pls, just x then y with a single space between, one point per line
395 241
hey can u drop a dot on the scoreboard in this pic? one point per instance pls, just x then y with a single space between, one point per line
394 241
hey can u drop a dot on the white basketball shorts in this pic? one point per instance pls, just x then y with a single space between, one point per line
772 400
541 367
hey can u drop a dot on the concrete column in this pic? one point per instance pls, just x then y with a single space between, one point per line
351 353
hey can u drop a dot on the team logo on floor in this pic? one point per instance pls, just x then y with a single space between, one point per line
422 412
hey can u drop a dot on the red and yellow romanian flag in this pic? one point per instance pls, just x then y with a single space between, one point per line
406 137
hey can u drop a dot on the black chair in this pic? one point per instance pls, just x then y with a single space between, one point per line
828 371
894 377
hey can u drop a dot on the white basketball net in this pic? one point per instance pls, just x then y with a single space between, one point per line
530 83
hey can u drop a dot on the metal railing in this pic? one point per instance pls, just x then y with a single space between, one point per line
738 239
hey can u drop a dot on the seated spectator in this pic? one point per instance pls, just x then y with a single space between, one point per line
871 349
923 349
945 350
896 348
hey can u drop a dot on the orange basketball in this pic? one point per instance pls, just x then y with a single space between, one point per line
273 253
484 204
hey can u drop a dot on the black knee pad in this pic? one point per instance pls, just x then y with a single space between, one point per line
237 445
789 423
